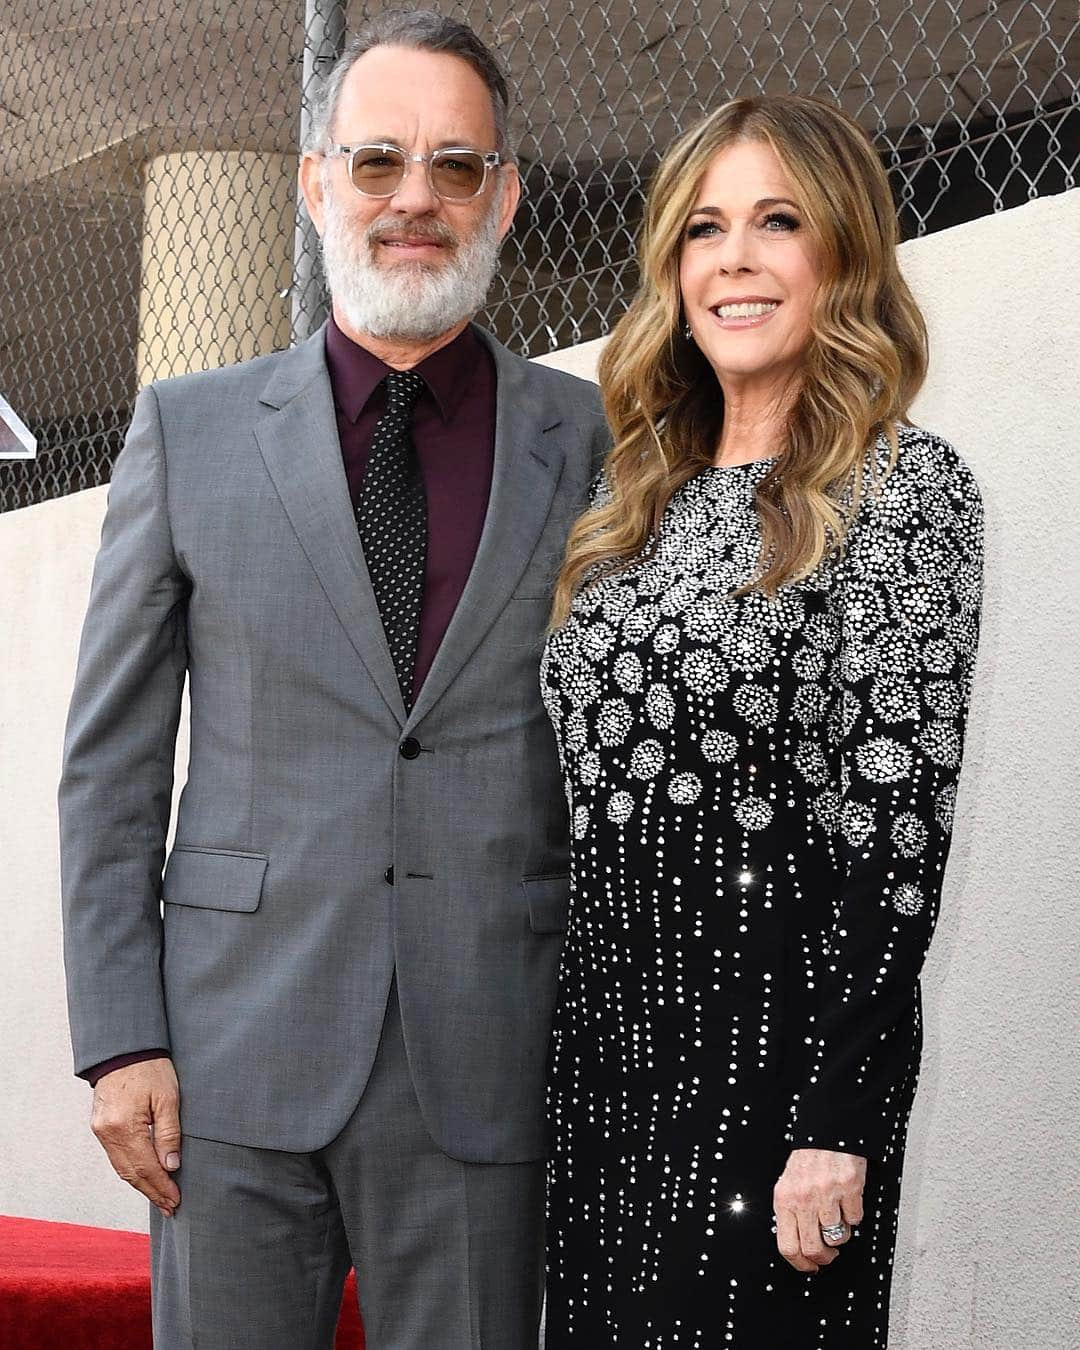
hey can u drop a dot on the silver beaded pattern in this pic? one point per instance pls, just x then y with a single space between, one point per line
761 797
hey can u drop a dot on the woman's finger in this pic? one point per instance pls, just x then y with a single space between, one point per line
787 1241
835 1230
811 1243
852 1207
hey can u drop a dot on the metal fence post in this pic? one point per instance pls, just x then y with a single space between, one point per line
324 41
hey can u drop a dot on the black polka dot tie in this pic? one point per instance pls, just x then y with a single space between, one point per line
392 518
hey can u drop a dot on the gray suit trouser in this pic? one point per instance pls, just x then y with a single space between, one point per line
448 1255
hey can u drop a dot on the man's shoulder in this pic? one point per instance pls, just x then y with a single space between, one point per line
220 388
575 395
218 378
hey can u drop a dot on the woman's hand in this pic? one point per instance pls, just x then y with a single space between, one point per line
818 1188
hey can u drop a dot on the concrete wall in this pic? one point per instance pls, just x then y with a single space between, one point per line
50 1165
989 1240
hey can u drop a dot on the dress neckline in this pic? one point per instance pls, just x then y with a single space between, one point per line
746 464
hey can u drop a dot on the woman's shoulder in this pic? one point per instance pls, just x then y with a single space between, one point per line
919 508
924 461
600 493
926 477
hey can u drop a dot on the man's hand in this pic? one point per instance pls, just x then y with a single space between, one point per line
136 1119
818 1188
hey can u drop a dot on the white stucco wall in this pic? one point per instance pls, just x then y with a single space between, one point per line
989 1240
990 1234
50 1165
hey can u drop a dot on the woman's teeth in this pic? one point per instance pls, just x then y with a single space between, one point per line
750 310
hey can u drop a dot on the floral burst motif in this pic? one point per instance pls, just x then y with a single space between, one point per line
761 796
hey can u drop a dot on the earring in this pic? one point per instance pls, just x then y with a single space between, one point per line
687 333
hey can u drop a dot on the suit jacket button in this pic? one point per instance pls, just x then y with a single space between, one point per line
409 748
388 876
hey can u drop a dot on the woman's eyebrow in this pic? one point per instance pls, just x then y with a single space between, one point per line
759 205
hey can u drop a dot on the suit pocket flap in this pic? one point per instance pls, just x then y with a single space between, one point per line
214 879
549 902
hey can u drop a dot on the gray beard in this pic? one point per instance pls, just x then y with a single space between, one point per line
407 301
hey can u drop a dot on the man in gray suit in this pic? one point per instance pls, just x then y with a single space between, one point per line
341 989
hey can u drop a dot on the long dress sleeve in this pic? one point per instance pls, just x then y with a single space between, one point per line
910 586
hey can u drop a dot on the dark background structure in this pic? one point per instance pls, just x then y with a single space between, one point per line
974 105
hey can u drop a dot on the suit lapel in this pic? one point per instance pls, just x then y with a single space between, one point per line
528 463
300 447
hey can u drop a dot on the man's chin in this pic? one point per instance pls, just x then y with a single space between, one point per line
402 326
387 333
385 263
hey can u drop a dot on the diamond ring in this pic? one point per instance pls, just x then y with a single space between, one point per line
834 1232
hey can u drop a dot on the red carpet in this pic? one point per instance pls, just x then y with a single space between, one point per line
64 1287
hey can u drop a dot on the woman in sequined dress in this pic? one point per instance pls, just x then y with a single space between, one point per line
758 675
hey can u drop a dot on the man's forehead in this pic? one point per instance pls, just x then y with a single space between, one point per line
393 90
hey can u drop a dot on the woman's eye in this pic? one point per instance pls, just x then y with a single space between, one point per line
780 223
701 228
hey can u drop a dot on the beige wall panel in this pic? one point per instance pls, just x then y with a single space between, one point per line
216 260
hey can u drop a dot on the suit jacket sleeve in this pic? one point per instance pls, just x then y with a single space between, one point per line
116 788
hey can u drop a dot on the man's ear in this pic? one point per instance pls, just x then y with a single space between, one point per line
511 195
311 186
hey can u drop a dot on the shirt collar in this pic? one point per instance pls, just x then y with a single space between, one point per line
355 373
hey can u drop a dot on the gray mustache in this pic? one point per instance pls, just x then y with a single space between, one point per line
432 234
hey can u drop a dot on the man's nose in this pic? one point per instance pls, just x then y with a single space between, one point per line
414 196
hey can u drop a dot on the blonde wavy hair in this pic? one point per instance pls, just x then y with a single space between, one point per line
864 364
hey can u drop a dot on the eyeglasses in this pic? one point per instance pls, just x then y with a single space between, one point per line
456 174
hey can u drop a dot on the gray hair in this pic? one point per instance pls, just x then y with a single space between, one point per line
421 30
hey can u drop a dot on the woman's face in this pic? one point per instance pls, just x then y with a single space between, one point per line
748 269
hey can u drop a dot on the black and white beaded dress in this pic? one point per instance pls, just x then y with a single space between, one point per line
761 797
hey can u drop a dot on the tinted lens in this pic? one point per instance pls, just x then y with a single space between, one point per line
377 171
457 173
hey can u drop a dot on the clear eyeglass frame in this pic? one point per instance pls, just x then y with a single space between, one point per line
490 159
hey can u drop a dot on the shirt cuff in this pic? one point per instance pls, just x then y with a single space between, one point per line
93 1075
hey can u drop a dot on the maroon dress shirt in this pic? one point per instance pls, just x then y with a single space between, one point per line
454 436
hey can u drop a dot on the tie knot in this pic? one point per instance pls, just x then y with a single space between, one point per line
403 388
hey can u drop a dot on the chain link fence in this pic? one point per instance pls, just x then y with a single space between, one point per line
148 160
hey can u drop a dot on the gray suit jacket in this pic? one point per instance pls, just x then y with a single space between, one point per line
230 555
